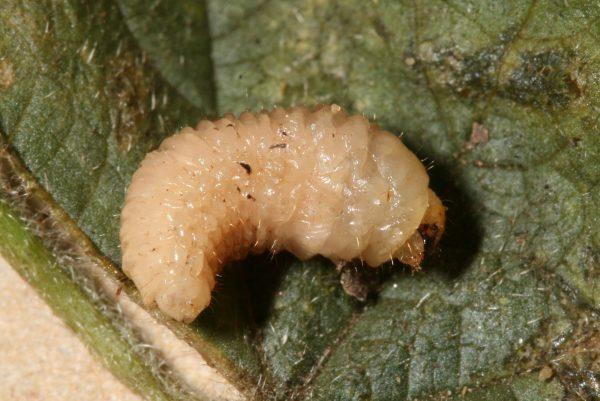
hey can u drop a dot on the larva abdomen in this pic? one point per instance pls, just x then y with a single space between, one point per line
306 181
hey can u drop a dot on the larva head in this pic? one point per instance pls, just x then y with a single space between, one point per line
427 236
393 201
433 223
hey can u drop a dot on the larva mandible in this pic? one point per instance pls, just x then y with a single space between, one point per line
307 181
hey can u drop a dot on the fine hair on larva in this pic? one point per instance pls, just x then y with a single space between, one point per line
309 181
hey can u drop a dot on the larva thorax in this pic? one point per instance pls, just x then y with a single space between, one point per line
306 181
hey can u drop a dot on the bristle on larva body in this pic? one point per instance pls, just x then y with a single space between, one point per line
308 181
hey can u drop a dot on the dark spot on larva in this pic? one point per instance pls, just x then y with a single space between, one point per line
238 189
249 196
282 131
229 125
246 167
278 145
118 292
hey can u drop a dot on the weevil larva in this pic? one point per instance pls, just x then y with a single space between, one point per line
308 181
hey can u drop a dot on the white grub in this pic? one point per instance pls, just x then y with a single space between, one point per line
308 181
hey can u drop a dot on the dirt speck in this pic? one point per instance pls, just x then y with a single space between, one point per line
546 373
358 281
7 75
426 52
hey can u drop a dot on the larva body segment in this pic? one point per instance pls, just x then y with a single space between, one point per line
306 181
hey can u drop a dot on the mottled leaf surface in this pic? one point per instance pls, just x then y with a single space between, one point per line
81 105
500 99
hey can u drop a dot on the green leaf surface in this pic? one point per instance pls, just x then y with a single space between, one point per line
87 88
523 389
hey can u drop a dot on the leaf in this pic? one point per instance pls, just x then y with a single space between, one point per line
86 90
176 44
31 259
522 389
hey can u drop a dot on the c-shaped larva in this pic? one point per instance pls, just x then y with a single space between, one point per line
305 181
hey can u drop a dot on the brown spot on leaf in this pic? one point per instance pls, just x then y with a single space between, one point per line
546 373
7 75
574 141
479 135
282 88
